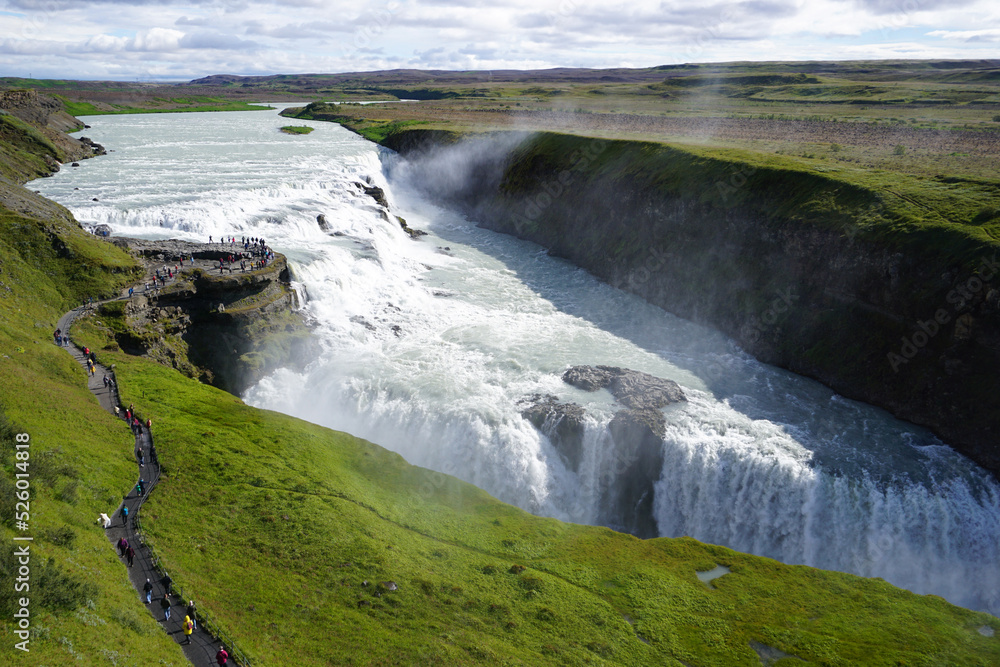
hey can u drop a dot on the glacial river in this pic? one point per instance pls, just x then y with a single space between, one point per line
427 347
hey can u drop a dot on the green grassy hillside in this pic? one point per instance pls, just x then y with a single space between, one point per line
83 607
136 104
23 150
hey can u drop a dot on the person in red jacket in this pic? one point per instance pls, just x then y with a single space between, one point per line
222 657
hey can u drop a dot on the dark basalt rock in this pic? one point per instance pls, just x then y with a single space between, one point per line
634 389
376 193
587 378
94 146
357 319
637 433
237 327
414 233
562 423
638 437
323 224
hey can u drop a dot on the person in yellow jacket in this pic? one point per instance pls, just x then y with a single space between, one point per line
188 629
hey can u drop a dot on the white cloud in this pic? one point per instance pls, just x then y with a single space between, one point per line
104 44
992 35
186 39
23 47
216 40
156 39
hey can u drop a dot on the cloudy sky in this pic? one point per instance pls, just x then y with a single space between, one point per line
154 40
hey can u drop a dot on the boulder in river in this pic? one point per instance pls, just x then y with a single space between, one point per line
414 233
633 389
637 464
637 434
562 423
376 193
323 224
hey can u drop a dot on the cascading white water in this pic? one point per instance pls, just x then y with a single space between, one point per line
429 346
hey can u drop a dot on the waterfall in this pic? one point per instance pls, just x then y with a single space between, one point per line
431 347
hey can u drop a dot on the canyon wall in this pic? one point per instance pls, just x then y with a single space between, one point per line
822 277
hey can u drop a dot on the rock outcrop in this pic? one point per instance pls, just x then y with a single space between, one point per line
51 120
562 423
634 389
637 466
226 329
97 148
378 195
637 433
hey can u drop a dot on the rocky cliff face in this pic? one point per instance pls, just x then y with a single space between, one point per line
33 143
47 115
226 329
783 262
